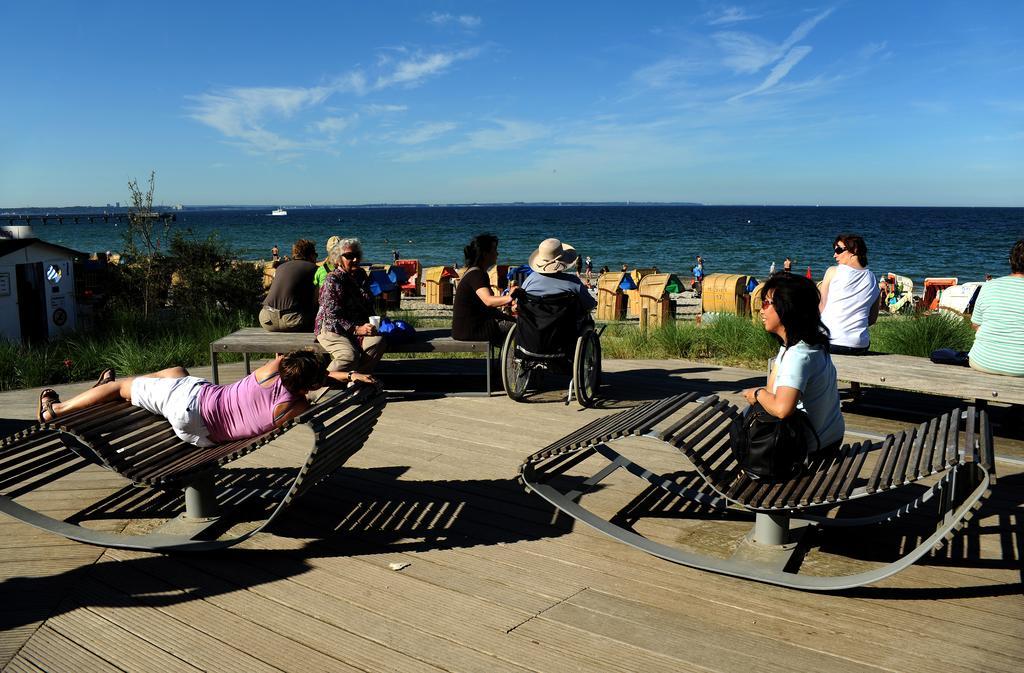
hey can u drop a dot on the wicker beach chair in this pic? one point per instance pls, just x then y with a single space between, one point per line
142 448
958 476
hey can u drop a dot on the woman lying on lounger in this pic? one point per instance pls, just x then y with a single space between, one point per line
203 413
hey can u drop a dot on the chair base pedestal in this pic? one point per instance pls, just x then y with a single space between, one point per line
773 542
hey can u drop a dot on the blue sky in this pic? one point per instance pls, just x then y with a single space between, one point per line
842 103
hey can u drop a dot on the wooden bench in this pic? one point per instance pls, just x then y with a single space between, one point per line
921 375
257 340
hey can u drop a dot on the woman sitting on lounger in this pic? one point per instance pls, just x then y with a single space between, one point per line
203 413
803 376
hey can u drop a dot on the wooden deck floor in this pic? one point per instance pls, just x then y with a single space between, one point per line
495 581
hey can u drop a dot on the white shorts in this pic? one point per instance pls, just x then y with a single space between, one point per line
177 400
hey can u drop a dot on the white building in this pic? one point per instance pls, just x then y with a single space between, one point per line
37 287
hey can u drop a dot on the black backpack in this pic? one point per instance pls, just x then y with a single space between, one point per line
774 449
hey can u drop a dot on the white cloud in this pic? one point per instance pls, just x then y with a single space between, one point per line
332 127
239 113
505 135
664 73
781 69
729 15
509 134
872 48
426 132
375 108
244 114
411 71
467 21
746 53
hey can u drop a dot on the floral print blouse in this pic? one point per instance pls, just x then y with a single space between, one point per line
345 302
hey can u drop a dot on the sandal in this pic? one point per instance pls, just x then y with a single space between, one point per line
106 376
46 401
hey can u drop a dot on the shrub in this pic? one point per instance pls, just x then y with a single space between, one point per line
921 334
207 276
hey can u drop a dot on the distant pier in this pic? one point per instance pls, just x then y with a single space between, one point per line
77 218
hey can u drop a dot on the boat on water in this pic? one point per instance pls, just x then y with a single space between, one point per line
279 212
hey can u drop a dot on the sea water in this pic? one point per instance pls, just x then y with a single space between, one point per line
917 242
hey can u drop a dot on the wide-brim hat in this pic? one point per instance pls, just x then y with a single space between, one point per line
552 256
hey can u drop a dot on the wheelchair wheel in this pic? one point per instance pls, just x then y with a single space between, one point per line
513 377
586 371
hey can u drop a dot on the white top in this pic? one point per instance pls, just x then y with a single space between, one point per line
850 295
810 370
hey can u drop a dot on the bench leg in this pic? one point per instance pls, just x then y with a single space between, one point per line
213 365
248 366
770 529
201 498
490 363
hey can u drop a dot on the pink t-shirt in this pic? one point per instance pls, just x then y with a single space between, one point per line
242 409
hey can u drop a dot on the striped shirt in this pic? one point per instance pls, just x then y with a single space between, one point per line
999 343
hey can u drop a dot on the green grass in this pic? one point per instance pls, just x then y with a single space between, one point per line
728 340
133 345
921 334
124 341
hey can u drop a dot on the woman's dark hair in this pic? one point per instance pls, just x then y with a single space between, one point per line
795 299
856 245
480 246
1017 257
301 371
304 249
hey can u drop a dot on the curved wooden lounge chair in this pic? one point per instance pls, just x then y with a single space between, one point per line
772 551
143 448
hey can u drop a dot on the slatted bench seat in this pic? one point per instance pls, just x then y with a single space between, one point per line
956 448
257 340
142 448
921 375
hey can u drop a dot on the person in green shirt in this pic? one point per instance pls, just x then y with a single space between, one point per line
999 320
325 267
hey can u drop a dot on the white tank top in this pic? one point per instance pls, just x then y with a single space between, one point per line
850 294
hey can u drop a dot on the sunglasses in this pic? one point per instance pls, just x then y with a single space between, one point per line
839 249
351 256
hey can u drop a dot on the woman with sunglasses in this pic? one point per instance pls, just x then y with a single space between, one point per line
343 325
849 297
803 376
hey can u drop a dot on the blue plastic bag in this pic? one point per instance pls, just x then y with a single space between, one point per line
396 332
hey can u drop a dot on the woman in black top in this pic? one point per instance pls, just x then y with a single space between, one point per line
475 314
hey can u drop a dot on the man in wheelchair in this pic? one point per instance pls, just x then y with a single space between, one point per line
554 330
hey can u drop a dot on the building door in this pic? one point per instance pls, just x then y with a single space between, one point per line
32 302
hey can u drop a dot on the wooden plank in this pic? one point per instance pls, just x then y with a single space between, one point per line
909 456
257 340
903 372
50 651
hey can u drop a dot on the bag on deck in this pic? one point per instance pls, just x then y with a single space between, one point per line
771 448
948 356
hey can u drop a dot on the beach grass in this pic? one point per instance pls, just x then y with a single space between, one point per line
728 340
919 335
126 341
133 345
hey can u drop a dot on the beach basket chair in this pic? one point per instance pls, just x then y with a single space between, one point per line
142 448
939 472
552 335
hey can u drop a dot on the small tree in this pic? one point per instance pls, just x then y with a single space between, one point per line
142 240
